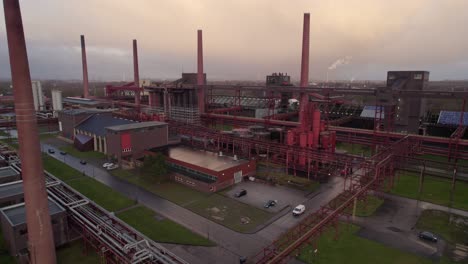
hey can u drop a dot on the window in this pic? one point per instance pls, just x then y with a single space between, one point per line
418 76
127 150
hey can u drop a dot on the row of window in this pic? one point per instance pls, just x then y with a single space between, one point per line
192 173
180 179
126 149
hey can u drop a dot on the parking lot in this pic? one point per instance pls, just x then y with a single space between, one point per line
258 194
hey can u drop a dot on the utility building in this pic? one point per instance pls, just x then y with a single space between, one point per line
207 171
15 231
129 141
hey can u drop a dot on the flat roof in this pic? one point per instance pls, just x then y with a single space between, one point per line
78 100
137 125
16 214
205 159
8 172
11 189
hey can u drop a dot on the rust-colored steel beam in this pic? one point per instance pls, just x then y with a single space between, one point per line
200 75
40 237
136 73
304 98
85 68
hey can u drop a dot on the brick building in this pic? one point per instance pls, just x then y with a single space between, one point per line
129 141
207 171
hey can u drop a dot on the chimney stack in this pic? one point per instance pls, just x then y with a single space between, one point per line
200 75
304 98
85 68
136 73
40 237
305 51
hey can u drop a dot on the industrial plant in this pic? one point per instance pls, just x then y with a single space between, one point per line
257 147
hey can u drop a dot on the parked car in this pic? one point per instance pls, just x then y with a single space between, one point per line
425 235
270 203
107 164
83 162
63 153
112 167
300 209
51 151
240 193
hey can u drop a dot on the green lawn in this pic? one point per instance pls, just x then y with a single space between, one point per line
292 181
47 135
101 194
94 190
441 159
435 190
72 253
363 208
140 217
350 249
216 207
12 142
451 227
355 149
82 155
60 169
164 230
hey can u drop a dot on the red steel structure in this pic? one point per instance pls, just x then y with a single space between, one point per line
85 68
40 237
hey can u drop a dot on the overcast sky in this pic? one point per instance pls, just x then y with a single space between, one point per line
243 39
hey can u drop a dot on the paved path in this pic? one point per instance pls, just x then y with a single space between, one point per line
393 224
231 244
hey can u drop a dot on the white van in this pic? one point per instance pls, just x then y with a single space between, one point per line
300 209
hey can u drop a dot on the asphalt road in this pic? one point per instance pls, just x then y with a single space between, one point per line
393 224
231 244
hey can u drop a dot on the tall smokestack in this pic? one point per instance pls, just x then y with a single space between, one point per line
200 75
305 51
85 68
304 98
136 74
40 238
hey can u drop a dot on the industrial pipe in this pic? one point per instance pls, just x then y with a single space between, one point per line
40 237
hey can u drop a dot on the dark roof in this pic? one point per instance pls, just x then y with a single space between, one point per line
16 214
83 139
97 123
11 189
137 126
7 172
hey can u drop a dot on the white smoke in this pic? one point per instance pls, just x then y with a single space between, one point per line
339 62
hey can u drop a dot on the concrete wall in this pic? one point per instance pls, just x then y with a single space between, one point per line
16 237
